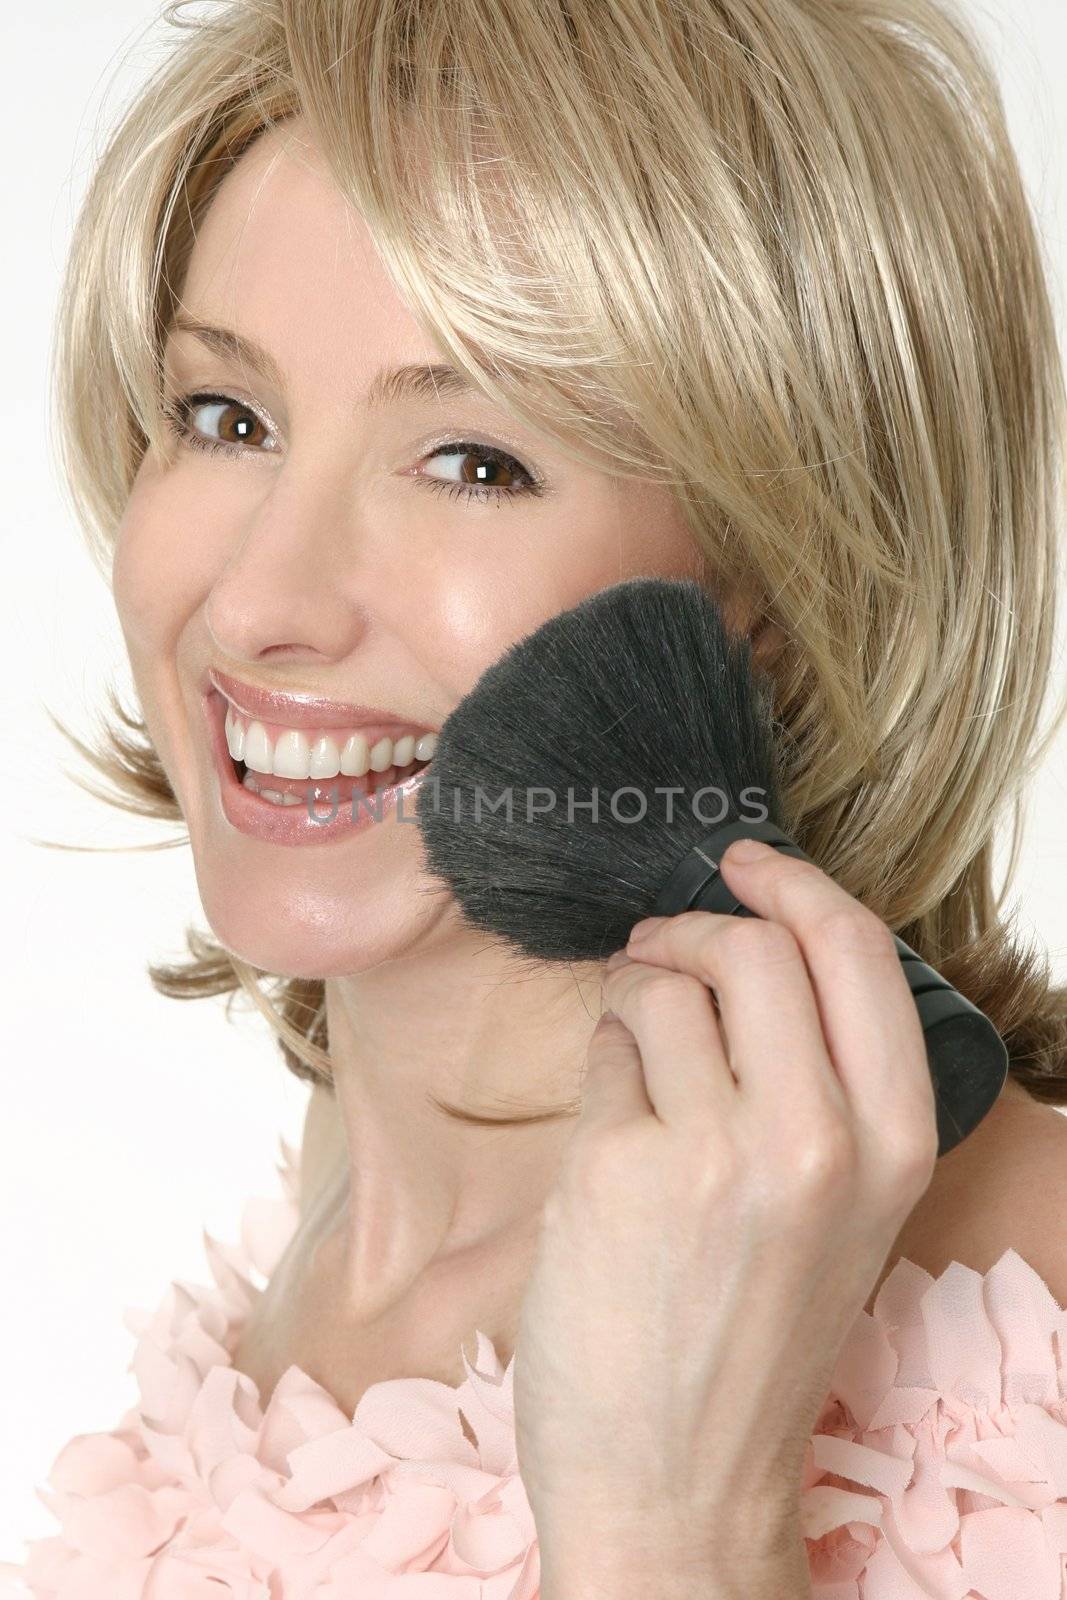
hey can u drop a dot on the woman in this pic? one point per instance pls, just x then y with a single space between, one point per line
744 292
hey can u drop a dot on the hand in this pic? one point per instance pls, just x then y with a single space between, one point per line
733 1186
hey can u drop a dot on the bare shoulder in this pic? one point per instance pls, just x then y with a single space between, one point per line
321 1148
1004 1188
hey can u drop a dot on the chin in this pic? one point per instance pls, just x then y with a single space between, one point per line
312 935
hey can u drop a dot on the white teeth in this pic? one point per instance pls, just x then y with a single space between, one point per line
381 755
277 797
294 755
291 755
235 735
258 754
355 757
325 760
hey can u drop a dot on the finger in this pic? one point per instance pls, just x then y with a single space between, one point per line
672 1017
869 1016
770 1016
613 1084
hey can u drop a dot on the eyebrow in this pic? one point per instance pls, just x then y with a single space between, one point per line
415 381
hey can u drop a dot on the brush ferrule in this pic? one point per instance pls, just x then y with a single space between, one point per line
696 884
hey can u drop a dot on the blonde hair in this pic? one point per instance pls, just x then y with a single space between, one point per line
775 253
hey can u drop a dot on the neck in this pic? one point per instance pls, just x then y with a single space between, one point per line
478 1028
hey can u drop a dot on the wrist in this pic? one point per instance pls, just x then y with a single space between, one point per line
612 1570
784 1584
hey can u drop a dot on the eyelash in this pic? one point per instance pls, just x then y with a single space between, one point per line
177 413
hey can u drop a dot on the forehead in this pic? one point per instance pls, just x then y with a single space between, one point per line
281 254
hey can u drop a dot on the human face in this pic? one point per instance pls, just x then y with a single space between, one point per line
333 552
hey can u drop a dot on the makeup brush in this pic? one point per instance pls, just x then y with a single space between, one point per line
595 775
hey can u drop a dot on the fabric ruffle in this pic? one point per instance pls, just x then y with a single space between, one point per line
200 1494
937 1470
938 1466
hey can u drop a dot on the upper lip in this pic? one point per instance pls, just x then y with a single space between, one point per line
300 710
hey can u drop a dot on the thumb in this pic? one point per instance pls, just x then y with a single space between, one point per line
613 1085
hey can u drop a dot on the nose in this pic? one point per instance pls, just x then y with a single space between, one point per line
292 580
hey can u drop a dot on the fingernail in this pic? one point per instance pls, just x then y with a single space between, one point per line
748 850
642 929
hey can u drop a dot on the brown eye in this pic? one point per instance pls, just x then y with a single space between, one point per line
240 430
482 472
236 424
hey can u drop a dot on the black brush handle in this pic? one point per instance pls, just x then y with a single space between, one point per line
967 1057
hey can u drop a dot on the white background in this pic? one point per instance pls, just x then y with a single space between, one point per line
131 1120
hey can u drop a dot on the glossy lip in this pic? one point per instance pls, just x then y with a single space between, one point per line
293 825
305 710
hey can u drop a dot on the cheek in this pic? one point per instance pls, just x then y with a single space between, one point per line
611 532
161 563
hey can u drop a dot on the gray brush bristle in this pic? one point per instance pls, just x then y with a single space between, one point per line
638 687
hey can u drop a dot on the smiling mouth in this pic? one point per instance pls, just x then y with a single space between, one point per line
232 731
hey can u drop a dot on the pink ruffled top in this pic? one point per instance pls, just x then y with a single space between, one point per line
937 1470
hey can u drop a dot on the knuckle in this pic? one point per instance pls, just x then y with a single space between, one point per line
912 1158
659 994
591 1166
855 927
712 1171
752 939
825 1162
